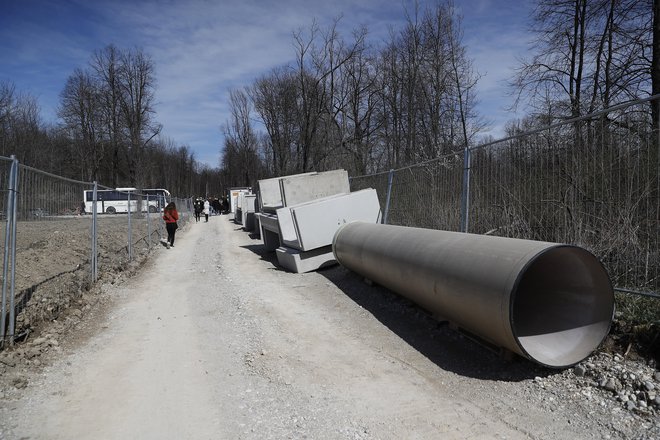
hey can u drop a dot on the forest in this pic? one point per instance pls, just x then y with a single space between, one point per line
368 108
107 130
344 102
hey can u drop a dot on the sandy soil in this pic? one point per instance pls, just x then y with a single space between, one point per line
213 341
53 257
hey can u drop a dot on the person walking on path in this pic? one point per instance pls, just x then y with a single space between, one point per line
207 207
198 209
170 215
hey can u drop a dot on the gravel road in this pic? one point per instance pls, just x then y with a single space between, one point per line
213 341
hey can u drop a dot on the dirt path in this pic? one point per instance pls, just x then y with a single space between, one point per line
213 341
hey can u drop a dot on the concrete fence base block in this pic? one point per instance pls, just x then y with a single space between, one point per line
300 262
270 231
248 221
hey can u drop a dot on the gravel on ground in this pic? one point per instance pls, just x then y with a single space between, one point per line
212 340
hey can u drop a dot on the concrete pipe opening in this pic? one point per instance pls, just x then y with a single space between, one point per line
562 306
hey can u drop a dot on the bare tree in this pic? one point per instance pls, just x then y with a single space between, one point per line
102 109
320 57
401 67
80 109
137 84
357 102
655 71
428 89
311 107
556 68
21 131
274 97
240 156
464 82
587 55
346 104
105 63
7 90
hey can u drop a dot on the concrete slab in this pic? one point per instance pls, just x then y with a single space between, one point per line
303 188
300 262
287 228
270 194
256 232
233 194
315 223
270 231
248 202
248 221
270 197
247 210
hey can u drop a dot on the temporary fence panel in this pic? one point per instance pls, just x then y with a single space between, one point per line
54 248
592 182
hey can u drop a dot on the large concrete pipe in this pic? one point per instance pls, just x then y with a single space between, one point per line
548 302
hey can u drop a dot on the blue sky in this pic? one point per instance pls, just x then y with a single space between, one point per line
203 48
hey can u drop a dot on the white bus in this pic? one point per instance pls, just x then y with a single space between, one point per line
112 201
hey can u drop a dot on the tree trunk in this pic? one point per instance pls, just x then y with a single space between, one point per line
655 70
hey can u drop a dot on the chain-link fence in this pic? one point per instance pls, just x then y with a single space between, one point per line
592 181
56 245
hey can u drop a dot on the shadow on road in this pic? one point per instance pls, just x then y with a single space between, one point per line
449 349
270 257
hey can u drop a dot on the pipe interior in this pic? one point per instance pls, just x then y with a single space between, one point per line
562 307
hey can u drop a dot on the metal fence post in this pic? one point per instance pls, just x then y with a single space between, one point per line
130 247
9 241
465 195
148 224
5 266
390 178
12 291
162 202
95 268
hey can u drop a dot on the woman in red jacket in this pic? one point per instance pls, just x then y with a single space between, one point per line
170 216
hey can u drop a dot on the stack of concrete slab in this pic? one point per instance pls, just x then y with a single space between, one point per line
300 214
235 203
234 193
246 210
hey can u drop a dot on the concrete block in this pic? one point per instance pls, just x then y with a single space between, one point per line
300 262
270 197
247 210
313 224
303 188
248 202
233 194
270 231
256 231
287 228
247 221
270 194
